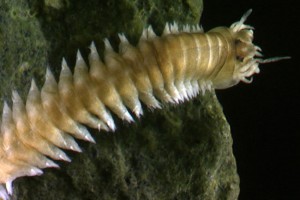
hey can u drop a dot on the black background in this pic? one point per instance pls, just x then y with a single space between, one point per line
264 116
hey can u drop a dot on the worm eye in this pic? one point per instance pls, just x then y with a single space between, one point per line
236 41
239 58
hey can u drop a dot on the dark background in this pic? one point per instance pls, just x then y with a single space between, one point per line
264 116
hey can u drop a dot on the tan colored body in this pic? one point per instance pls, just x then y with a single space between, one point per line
172 68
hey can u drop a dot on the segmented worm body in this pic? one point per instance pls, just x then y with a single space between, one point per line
172 68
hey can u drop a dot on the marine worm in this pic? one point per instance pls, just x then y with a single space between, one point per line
170 68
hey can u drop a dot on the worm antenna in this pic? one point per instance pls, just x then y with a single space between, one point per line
245 16
273 59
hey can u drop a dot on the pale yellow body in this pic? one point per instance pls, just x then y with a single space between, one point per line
172 68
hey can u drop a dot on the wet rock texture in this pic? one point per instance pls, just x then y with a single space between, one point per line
180 152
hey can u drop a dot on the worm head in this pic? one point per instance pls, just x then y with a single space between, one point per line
248 55
245 51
